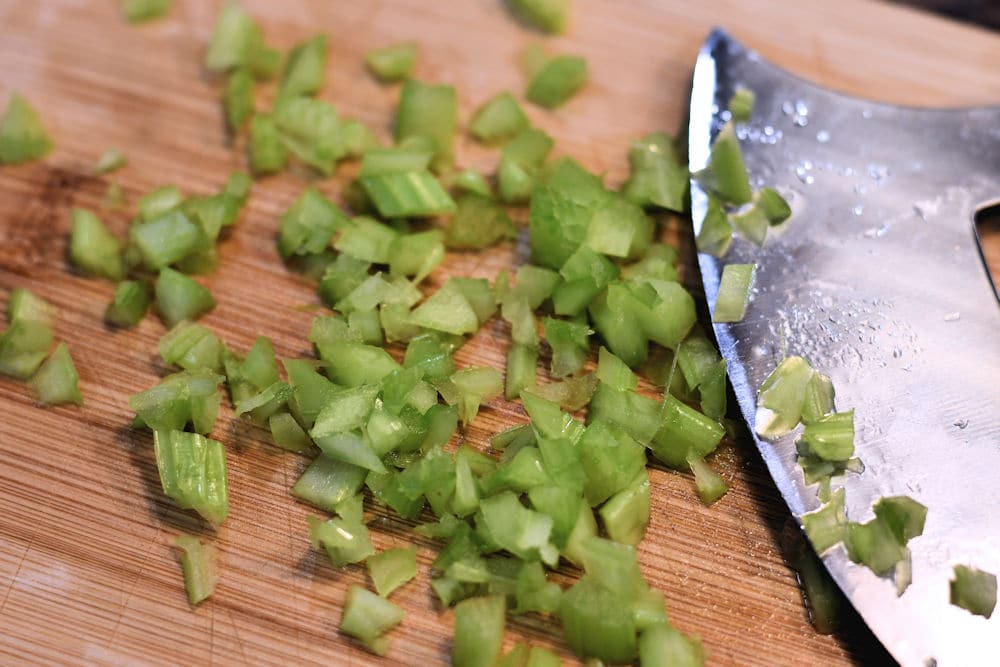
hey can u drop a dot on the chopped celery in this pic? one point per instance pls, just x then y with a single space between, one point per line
520 161
237 99
684 433
310 129
287 433
470 180
657 263
818 401
23 346
26 305
726 175
22 137
392 568
182 398
475 386
358 138
498 119
267 152
532 59
479 222
571 394
626 514
416 255
534 592
192 346
751 223
141 11
696 357
159 202
569 342
773 205
179 297
193 473
585 274
781 397
611 459
446 310
345 541
516 657
657 178
168 239
345 410
392 63
974 590
432 112
327 482
821 594
597 621
303 73
558 80
880 544
831 437
307 227
408 194
662 644
710 484
110 160
619 228
367 240
561 209
237 41
200 563
741 104
716 234
380 161
261 405
479 628
547 15
55 383
522 362
734 292
521 531
549 421
129 304
368 617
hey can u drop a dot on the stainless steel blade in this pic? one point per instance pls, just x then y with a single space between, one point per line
877 280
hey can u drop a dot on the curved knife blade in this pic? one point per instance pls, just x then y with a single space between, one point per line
877 279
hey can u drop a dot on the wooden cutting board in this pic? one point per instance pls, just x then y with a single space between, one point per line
87 575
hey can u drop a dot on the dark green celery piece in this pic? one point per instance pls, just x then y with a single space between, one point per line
619 228
129 304
310 129
478 222
22 137
429 111
476 385
658 178
200 564
479 628
307 227
182 398
353 364
55 383
345 541
23 346
710 484
408 194
726 175
142 11
237 41
880 544
549 421
549 16
498 119
447 310
519 530
368 617
751 223
392 63
192 346
781 397
368 240
267 152
558 80
662 644
520 161
684 433
93 249
626 514
416 255
26 305
570 344
741 104
974 590
303 73
392 568
561 208
287 433
358 138
179 297
193 473
327 482
716 234
820 593
827 525
167 239
734 292
611 459
712 391
773 205
237 99
831 437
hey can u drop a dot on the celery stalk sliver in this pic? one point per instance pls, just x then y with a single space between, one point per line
179 297
368 617
193 473
726 175
345 541
55 383
479 628
199 563
734 292
741 104
307 227
237 99
310 129
781 397
773 205
663 645
498 119
974 590
267 153
429 111
303 73
710 484
547 15
392 568
558 80
827 525
831 437
716 233
26 305
328 482
23 346
626 514
22 137
408 194
392 63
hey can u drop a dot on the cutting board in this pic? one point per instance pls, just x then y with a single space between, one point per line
87 574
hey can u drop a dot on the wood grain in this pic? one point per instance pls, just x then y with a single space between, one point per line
87 575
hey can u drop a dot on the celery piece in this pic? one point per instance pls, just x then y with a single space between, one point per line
168 239
522 362
429 111
665 310
529 147
549 421
534 592
880 544
193 473
585 274
532 59
479 628
287 433
446 310
238 185
237 99
55 383
684 433
571 394
751 223
523 325
498 119
626 514
773 205
328 482
616 325
570 344
520 472
662 644
516 657
22 137
310 129
584 530
368 617
357 137
392 568
476 385
974 590
818 401
716 234
351 448
310 390
561 209
368 240
710 484
547 15
657 177
392 63
431 354
307 227
200 563
380 161
303 73
26 305
479 295
597 621
696 357
267 152
142 11
180 298
827 525
820 593
638 415
712 391
236 41
727 175
535 284
558 80
345 410
471 181
465 500
262 404
611 459
478 222
192 346
658 262
182 398
734 292
515 181
781 397
157 203
831 437
416 255
408 194
345 541
23 346
368 325
512 526
110 160
619 228
113 197
741 104
342 276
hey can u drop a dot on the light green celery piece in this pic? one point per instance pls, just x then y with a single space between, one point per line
304 70
200 564
521 531
741 104
818 400
478 223
696 357
358 138
727 175
570 343
684 433
141 11
716 234
447 310
353 364
110 160
55 383
345 541
597 621
182 398
781 397
262 404
192 346
516 657
328 482
571 394
751 223
773 205
734 292
522 368
611 460
662 644
392 63
549 421
267 152
827 525
475 386
168 239
549 16
22 137
416 255
193 473
974 590
160 201
408 194
710 484
558 80
23 346
380 161
237 98
93 249
26 305
880 544
626 514
392 568
237 41
532 59
179 297
619 228
429 111
368 240
345 410
368 617
542 657
307 227
472 181
479 628
831 437
287 433
498 119
310 129
657 177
